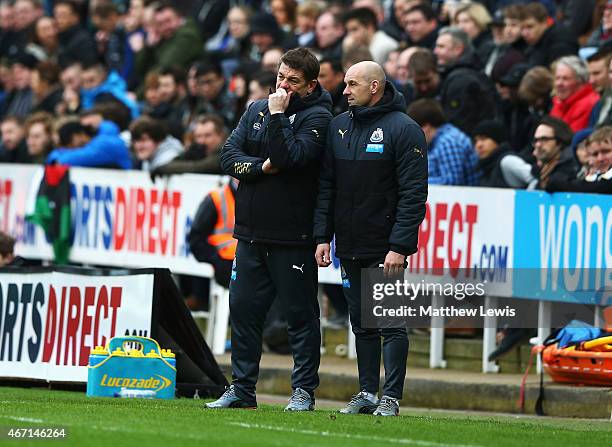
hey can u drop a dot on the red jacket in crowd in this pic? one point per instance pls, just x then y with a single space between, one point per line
576 109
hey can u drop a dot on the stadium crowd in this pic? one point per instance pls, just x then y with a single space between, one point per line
509 93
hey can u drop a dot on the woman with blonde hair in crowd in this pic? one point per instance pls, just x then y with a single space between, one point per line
474 19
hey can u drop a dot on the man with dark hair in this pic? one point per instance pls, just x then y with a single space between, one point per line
372 194
153 145
425 77
112 41
467 95
172 40
362 27
554 156
545 42
275 153
212 92
329 31
13 148
98 144
452 160
331 78
202 156
7 249
421 26
599 77
75 43
173 107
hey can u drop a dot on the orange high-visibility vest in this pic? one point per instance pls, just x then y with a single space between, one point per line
221 237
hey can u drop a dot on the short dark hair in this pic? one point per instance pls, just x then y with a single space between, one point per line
563 133
105 10
302 59
7 244
265 79
424 9
535 11
216 120
600 55
164 4
365 16
427 111
146 125
178 74
208 66
335 64
111 109
422 62
48 72
71 4
69 129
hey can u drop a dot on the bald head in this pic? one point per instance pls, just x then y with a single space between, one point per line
365 84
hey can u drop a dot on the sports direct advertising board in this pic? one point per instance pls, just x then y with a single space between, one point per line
49 321
525 244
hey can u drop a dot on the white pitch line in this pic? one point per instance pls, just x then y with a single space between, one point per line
350 436
20 419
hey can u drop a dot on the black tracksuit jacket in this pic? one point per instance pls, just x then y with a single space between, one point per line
373 181
278 208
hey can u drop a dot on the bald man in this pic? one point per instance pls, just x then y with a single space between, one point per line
372 193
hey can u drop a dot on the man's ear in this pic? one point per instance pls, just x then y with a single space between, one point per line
311 86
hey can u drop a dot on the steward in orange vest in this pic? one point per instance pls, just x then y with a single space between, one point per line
210 239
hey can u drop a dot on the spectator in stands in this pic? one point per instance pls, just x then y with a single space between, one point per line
265 34
509 46
574 96
467 95
495 154
99 85
599 151
45 42
212 93
329 31
390 65
202 156
7 249
599 77
9 37
362 27
166 99
403 77
93 142
153 145
514 111
234 41
260 85
353 54
211 236
26 13
425 77
474 19
284 11
451 157
70 79
331 78
46 87
554 156
535 89
603 33
306 19
546 42
421 26
112 40
271 58
19 101
75 43
39 136
172 40
13 148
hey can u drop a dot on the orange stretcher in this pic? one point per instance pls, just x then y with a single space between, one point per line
589 363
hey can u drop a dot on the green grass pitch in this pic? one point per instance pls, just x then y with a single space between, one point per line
92 422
